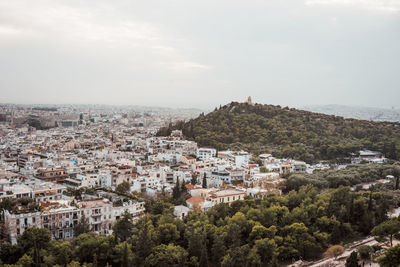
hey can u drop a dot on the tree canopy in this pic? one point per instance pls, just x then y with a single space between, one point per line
251 232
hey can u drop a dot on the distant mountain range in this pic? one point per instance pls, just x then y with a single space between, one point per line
361 113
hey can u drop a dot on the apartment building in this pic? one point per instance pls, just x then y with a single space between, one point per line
206 153
52 174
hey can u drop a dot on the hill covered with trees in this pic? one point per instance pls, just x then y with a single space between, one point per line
288 132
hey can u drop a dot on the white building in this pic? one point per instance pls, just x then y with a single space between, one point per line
181 211
206 153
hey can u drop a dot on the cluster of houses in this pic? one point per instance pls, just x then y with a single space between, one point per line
46 165
48 205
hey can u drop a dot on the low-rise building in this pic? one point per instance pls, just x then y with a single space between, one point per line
226 195
181 211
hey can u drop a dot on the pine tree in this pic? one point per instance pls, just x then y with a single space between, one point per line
370 201
123 227
396 174
218 249
393 151
125 262
205 181
203 257
82 227
95 264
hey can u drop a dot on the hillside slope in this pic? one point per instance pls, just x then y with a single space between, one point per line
286 132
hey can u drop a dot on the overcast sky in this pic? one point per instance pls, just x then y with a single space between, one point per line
202 53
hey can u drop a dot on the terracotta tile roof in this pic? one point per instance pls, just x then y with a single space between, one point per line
195 200
189 186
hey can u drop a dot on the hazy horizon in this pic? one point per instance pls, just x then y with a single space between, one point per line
200 54
207 109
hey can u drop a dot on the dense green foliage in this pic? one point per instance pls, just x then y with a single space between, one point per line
391 257
352 261
349 176
123 188
289 132
10 203
387 228
365 252
251 232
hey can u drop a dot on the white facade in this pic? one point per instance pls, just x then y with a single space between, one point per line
206 153
181 211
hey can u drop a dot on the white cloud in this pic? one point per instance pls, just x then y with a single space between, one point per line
392 6
98 51
101 27
7 31
185 66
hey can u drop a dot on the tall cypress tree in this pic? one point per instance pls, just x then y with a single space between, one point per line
194 179
352 260
176 192
183 188
205 181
